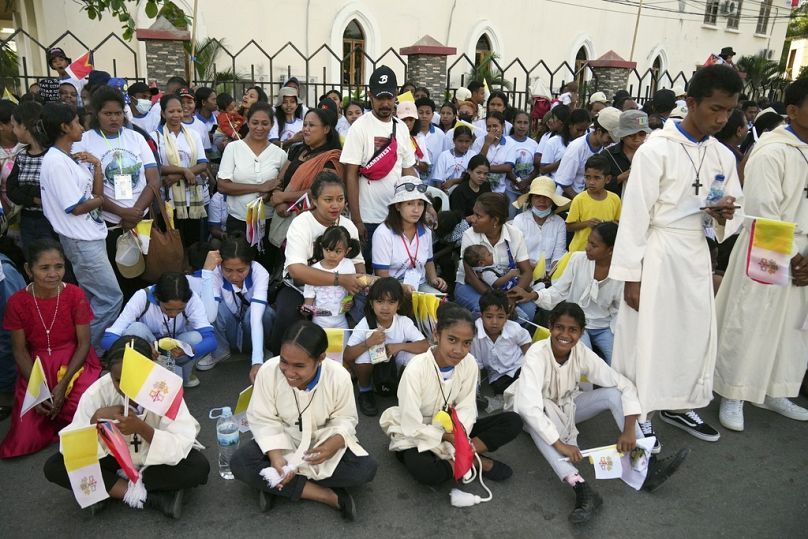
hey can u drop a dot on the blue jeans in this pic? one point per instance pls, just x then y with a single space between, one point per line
186 363
603 338
8 366
95 276
367 247
232 334
467 297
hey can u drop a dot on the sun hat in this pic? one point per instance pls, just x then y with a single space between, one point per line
609 119
543 186
631 121
407 109
410 188
287 91
129 257
598 97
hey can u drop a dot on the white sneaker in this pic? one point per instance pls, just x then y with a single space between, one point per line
731 414
784 407
193 381
209 361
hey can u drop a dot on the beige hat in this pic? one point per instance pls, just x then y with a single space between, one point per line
609 119
287 91
544 186
678 113
406 109
598 97
462 94
128 256
410 188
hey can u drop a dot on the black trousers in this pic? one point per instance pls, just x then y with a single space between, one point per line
190 472
287 312
494 431
503 382
351 471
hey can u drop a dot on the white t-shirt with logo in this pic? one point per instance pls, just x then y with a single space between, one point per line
524 152
290 129
365 135
65 184
125 154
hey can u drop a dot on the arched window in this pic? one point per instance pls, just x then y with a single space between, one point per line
353 47
581 59
482 50
656 73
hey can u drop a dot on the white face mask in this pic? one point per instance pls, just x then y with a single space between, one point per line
542 213
143 106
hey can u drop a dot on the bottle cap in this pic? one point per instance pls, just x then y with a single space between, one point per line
226 412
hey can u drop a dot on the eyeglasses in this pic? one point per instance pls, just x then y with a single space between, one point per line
410 187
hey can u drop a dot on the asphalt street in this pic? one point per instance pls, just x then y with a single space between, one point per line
750 484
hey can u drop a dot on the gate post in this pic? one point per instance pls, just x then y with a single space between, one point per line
611 72
165 51
426 65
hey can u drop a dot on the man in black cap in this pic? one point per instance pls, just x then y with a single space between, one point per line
726 54
376 153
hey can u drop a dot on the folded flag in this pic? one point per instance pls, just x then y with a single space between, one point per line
8 96
154 387
336 343
406 96
143 230
80 451
240 413
37 390
540 269
476 131
118 447
81 67
301 204
541 333
419 153
769 254
464 453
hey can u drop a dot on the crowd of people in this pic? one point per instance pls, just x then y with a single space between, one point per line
586 250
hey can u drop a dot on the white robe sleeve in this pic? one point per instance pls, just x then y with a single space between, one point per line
173 439
263 416
410 394
527 399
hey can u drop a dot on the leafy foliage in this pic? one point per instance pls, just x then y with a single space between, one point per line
120 10
487 70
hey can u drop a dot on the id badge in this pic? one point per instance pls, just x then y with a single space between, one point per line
413 278
123 187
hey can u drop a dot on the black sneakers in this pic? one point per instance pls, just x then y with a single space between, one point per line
647 429
347 507
367 403
660 470
586 502
691 423
266 501
168 502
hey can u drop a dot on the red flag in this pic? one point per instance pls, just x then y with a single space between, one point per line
117 446
464 453
301 204
81 67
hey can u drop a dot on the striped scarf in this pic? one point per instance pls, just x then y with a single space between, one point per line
196 205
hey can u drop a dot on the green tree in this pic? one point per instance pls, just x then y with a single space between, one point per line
120 10
487 70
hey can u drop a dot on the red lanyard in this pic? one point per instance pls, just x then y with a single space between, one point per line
413 259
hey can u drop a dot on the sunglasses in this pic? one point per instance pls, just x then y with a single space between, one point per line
410 187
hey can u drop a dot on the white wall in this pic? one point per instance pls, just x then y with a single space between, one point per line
800 46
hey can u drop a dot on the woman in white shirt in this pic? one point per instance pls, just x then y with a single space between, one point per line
545 232
72 196
183 167
303 419
168 309
250 167
499 150
402 245
328 199
489 228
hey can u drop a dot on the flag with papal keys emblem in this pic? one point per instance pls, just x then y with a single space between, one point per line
37 390
81 67
153 387
80 450
770 250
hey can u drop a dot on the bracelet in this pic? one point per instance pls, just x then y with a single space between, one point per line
336 278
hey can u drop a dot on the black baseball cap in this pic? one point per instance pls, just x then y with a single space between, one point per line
383 81
139 87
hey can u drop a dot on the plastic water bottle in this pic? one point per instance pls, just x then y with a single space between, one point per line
227 435
715 194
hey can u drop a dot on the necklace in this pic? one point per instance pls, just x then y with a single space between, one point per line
55 313
300 412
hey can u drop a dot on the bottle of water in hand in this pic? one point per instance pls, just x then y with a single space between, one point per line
715 194
227 436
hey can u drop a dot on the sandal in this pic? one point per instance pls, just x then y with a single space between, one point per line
499 470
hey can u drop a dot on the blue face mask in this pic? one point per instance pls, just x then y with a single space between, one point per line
542 213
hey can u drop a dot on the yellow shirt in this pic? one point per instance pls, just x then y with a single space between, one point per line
584 208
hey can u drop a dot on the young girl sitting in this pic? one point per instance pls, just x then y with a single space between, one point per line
550 402
474 183
49 320
333 252
168 309
445 377
451 163
382 335
586 282
164 449
499 344
300 394
240 286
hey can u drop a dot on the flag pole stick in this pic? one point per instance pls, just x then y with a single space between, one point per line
126 406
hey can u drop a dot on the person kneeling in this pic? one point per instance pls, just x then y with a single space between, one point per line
163 449
303 416
550 402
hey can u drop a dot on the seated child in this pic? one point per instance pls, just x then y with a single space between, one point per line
163 449
481 259
549 400
381 333
499 344
593 206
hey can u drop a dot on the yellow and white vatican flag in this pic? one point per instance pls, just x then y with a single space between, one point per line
37 390
80 451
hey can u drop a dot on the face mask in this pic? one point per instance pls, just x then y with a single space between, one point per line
542 213
466 117
143 106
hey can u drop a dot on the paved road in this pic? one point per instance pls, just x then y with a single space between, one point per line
753 484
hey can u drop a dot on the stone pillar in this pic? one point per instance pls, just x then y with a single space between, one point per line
165 51
611 73
426 65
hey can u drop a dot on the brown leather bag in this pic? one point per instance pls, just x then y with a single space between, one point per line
165 249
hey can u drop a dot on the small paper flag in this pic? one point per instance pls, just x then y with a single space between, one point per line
8 96
560 267
336 343
540 269
143 231
240 412
768 257
81 67
541 333
607 464
406 96
80 451
37 390
154 387
118 447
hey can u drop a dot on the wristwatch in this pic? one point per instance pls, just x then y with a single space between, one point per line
336 278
